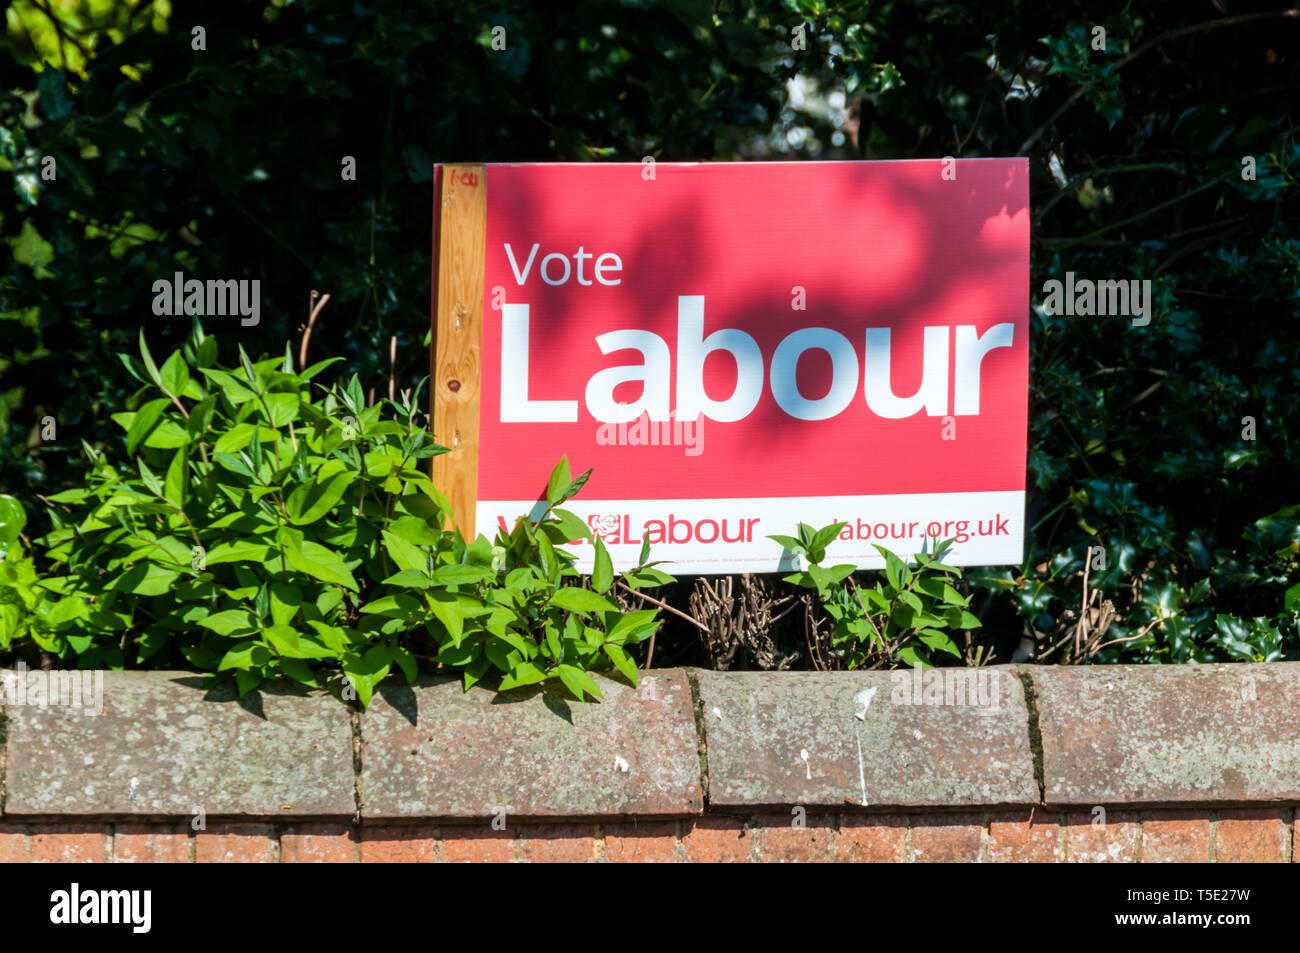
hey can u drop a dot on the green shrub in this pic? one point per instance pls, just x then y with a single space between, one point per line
901 618
260 529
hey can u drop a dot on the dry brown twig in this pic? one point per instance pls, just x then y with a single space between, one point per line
314 312
650 650
392 367
740 614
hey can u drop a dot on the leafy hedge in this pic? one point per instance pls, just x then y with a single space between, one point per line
225 163
260 528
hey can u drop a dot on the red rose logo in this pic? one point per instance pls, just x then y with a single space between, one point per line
606 527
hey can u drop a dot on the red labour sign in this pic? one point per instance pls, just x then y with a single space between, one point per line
735 348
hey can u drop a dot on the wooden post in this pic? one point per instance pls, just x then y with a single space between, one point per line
461 236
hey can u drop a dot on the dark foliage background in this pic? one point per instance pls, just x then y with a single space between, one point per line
226 163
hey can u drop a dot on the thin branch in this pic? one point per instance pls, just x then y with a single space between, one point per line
1162 38
961 146
316 307
1080 177
392 367
1141 215
666 607
1145 629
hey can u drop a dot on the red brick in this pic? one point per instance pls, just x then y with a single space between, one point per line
1250 836
559 843
69 843
1175 837
947 838
716 840
648 842
872 839
317 844
779 841
233 843
1086 842
13 844
477 843
399 845
1014 839
150 844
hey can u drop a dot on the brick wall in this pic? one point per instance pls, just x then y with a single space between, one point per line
1252 835
1123 764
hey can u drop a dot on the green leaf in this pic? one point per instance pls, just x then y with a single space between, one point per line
149 365
458 574
151 643
231 622
524 673
448 611
550 562
282 408
1292 597
200 417
939 641
410 579
316 368
175 374
914 657
406 662
12 520
406 555
285 600
559 482
910 600
647 577
167 435
415 530
233 389
961 619
577 484
143 422
788 542
581 600
58 613
244 550
246 681
299 671
894 567
876 598
577 681
313 500
239 436
132 368
569 526
321 563
621 661
283 639
635 623
177 477
602 574
361 685
841 572
146 579
823 537
252 379
244 657
398 605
